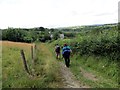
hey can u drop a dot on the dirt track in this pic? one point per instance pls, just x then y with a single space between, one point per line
68 79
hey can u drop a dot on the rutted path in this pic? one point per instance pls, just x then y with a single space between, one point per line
68 79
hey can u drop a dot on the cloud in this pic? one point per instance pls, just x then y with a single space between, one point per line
56 13
103 14
119 11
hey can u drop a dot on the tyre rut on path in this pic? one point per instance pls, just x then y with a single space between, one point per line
68 78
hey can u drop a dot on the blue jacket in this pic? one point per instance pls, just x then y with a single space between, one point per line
65 49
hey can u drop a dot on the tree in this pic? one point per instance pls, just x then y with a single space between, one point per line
52 30
56 35
41 28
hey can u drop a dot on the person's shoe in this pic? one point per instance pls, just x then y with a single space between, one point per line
67 66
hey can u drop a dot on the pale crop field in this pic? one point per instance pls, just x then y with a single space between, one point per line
44 72
12 64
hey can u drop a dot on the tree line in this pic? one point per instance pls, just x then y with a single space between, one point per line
33 34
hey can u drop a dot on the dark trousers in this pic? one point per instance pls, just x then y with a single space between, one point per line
66 56
67 61
57 55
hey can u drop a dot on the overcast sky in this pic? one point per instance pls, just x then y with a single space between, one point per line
57 13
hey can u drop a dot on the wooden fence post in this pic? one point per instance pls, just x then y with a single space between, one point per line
32 52
24 61
35 51
35 47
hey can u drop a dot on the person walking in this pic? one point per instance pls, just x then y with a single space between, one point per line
57 50
66 51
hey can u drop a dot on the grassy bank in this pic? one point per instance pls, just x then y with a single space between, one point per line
105 72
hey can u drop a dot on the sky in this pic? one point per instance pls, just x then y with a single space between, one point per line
57 13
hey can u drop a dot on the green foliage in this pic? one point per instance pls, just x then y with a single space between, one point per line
13 35
69 35
56 35
105 43
44 37
42 29
19 35
4 35
27 35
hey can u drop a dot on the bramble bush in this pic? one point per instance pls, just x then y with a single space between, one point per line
104 45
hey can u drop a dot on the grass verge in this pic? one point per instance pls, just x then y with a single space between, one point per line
106 72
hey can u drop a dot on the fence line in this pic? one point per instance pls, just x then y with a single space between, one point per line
33 56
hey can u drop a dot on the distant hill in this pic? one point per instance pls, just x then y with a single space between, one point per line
83 26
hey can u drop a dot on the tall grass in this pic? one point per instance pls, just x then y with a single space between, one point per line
46 66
